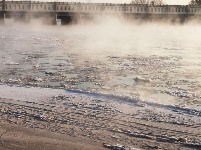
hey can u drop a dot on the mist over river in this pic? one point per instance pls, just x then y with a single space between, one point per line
159 63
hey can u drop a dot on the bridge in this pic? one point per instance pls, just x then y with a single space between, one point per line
69 12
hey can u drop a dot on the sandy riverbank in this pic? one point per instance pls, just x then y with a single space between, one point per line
36 118
18 137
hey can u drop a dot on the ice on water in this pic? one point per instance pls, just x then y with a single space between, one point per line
107 58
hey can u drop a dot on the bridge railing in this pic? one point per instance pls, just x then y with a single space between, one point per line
40 6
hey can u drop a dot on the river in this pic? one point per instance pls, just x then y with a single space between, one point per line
157 63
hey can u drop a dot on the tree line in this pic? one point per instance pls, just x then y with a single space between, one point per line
195 2
161 2
148 2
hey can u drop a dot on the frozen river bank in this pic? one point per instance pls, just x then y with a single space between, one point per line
108 119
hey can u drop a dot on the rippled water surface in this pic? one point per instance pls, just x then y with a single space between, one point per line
157 63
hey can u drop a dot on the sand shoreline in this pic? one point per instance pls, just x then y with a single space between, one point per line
93 119
22 138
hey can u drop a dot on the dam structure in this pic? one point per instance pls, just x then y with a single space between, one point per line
68 12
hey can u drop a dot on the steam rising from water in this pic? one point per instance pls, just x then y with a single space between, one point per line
114 36
135 46
109 35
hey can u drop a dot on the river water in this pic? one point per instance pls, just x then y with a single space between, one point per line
158 63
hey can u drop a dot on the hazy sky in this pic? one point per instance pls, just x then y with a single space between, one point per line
173 2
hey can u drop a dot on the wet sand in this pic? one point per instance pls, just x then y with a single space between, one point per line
79 119
18 137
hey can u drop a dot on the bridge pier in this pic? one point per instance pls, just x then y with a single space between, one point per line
28 17
2 11
80 19
126 17
24 17
1 17
49 18
54 19
54 16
